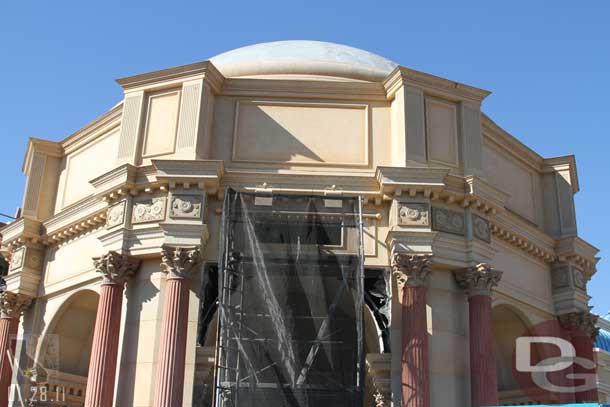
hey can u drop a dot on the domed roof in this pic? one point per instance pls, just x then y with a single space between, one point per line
303 58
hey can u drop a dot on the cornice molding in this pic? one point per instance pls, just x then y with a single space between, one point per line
205 70
46 147
402 76
273 88
510 144
567 162
578 251
92 130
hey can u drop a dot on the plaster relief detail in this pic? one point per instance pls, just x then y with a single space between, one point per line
478 280
148 211
411 270
12 305
17 258
185 206
560 277
116 215
445 220
116 268
180 262
481 228
579 279
413 214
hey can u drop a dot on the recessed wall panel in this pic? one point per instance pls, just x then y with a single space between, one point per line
304 133
441 132
161 124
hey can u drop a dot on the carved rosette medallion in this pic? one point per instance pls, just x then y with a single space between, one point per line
116 268
180 262
148 211
186 206
560 277
481 228
116 215
411 270
579 279
478 280
17 258
12 305
445 220
583 321
413 214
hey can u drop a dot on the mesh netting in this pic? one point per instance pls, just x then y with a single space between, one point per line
291 296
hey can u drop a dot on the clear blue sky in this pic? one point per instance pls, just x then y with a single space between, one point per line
547 63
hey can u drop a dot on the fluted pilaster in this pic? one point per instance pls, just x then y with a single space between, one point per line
178 263
478 282
411 272
116 269
11 307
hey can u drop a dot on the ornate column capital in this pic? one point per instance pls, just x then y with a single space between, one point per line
478 280
116 268
411 269
179 262
584 321
12 305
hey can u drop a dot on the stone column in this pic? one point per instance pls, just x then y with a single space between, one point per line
477 282
116 269
411 272
178 263
11 307
582 329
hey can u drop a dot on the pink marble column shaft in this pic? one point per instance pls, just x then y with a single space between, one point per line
8 329
415 369
170 376
478 281
178 263
483 379
11 307
116 269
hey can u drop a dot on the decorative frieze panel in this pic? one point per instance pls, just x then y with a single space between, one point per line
149 210
413 214
560 277
186 206
481 229
116 215
446 220
17 258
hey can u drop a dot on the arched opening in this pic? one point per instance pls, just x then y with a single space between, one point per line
63 360
508 325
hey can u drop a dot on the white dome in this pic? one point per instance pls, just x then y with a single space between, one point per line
303 58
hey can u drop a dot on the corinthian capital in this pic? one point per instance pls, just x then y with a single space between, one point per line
411 269
478 280
179 262
12 305
116 268
583 321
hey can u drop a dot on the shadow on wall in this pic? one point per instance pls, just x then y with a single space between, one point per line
66 346
138 292
260 137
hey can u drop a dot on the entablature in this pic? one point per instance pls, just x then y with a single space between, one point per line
307 89
434 85
200 70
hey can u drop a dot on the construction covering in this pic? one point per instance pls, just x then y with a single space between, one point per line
290 302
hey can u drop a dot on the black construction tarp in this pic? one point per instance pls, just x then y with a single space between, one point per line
290 302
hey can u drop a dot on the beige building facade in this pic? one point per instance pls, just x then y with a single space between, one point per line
453 206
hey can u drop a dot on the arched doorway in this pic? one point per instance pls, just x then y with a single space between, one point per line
508 324
63 359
